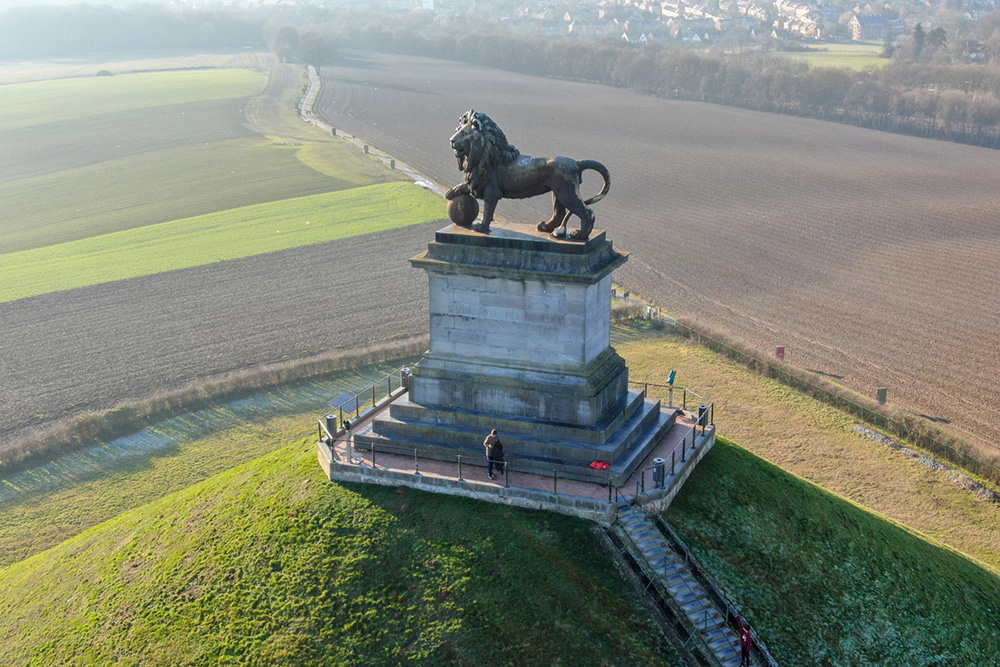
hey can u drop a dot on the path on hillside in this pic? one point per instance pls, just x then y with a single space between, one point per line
875 258
307 112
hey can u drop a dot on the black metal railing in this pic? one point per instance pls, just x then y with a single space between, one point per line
365 400
331 431
734 615
678 623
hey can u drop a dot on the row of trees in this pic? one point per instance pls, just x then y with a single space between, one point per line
960 102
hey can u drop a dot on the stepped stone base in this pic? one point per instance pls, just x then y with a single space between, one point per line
624 438
520 330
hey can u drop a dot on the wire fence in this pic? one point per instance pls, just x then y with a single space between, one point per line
869 413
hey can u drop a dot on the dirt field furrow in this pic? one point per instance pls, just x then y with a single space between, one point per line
874 257
93 347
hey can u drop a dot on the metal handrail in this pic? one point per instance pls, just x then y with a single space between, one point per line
714 589
463 460
679 620
374 391
640 483
616 492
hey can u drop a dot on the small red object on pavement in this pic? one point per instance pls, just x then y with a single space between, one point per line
600 465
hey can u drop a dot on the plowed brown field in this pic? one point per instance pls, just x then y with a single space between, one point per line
874 257
94 347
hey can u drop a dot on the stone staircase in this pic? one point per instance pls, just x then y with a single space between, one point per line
685 591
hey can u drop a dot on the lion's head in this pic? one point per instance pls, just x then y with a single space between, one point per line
480 146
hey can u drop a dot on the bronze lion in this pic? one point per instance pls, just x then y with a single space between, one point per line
494 169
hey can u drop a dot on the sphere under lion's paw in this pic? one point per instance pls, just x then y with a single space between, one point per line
463 209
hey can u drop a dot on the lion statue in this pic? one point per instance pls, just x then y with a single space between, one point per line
494 169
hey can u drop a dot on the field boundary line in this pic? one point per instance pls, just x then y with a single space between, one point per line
308 114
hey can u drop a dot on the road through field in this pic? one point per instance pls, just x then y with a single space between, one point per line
94 347
874 257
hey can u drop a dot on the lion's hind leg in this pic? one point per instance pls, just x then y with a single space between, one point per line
558 218
586 225
571 200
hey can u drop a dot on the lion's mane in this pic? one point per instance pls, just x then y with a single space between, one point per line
489 151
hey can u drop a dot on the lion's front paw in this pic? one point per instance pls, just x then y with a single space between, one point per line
478 226
579 235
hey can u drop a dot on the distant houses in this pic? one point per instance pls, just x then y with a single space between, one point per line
868 27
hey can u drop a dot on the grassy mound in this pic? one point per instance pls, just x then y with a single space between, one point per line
271 564
817 442
828 582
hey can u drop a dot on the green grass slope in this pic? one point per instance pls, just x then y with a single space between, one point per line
271 564
171 184
145 149
828 582
215 237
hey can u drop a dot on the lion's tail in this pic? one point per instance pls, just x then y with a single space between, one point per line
600 169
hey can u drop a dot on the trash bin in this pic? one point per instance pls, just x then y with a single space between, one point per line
404 374
659 470
703 414
331 424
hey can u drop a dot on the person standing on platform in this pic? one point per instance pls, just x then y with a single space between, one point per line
491 441
497 455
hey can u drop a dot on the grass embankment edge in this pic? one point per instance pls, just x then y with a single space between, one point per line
826 578
915 430
90 428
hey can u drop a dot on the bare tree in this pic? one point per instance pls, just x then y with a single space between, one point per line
284 42
316 50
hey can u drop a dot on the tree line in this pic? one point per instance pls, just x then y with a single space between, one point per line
924 90
956 101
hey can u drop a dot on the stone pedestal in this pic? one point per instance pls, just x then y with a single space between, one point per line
520 336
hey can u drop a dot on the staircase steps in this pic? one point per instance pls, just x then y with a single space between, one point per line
678 581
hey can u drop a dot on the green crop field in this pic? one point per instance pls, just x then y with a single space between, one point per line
216 237
182 182
38 103
71 178
847 56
